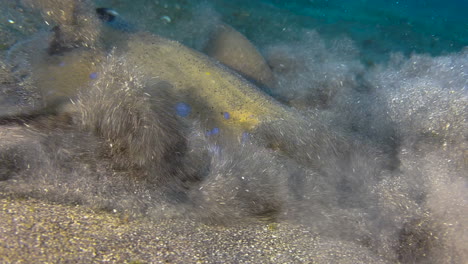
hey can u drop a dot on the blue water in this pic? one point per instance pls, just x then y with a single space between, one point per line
377 27
419 26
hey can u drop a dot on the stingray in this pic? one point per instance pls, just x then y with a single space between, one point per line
221 89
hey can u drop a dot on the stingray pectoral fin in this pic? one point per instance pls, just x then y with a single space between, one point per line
234 50
212 88
62 76
55 11
75 24
54 108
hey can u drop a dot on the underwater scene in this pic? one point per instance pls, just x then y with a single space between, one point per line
218 131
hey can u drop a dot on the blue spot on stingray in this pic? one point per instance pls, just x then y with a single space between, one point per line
62 64
93 75
183 109
245 137
213 131
226 115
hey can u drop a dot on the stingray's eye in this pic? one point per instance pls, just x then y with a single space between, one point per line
106 14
